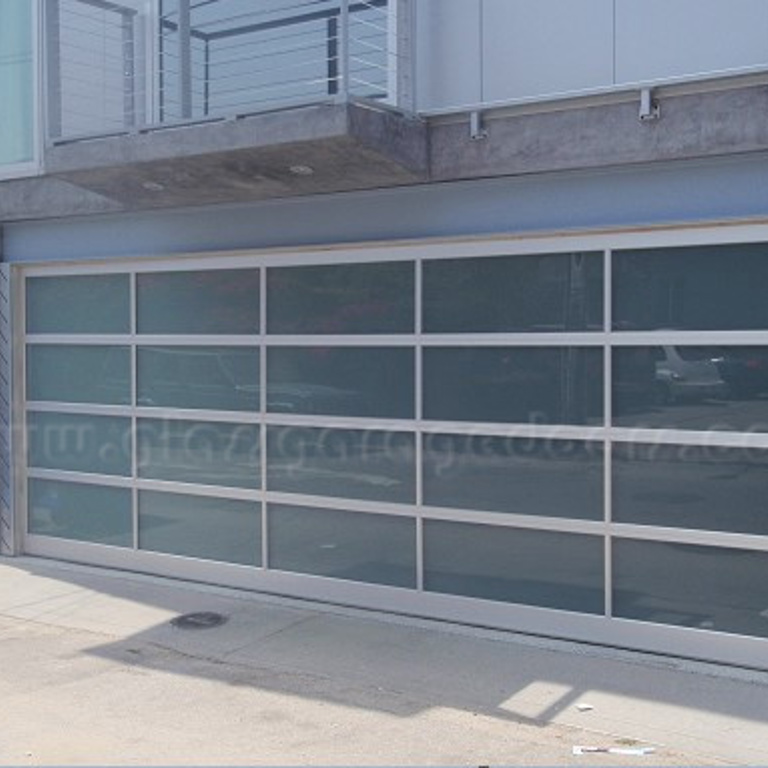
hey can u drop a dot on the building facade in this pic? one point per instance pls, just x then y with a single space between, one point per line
452 308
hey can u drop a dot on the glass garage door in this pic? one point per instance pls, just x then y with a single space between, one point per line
569 442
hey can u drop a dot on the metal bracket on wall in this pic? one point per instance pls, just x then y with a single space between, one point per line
649 107
476 130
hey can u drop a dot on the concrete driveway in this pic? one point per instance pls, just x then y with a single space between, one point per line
92 672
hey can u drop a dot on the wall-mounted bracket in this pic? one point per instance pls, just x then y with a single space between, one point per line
649 107
476 130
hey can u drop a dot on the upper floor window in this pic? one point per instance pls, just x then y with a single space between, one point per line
17 89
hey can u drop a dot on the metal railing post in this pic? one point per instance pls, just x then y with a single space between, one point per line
404 96
53 117
129 69
344 91
185 59
332 52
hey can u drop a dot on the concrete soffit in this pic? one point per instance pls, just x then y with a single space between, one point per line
288 153
360 146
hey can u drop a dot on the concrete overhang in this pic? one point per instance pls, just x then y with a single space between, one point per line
288 153
358 146
695 121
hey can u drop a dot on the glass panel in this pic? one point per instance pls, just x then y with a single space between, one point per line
341 298
225 530
552 478
215 378
683 288
17 91
212 301
79 304
379 549
205 452
76 373
358 464
690 486
343 381
691 586
697 387
552 292
94 513
513 565
503 384
99 444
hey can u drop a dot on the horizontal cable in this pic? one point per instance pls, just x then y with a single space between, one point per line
217 62
284 11
218 46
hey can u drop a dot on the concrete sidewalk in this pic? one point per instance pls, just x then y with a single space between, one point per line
92 672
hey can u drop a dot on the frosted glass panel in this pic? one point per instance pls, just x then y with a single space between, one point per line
220 301
687 585
522 476
691 486
79 443
79 374
211 529
537 385
93 513
215 378
342 381
379 549
79 304
341 298
702 388
684 289
206 452
545 292
352 463
552 570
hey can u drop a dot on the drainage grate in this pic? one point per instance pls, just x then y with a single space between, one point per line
202 620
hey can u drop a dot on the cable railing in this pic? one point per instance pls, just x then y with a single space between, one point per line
117 66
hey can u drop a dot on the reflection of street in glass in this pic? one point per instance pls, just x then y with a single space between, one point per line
209 453
694 487
375 465
551 478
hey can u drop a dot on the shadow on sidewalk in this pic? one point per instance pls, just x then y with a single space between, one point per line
400 667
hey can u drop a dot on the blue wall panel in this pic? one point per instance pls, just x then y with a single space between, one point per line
691 191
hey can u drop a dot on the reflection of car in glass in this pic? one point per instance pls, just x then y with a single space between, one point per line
195 377
311 398
744 369
687 373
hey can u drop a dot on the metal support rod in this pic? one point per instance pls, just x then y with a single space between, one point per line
185 59
160 32
207 79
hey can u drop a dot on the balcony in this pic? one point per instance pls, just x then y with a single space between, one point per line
183 102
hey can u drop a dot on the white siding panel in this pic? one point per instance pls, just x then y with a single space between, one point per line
658 39
448 53
546 47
